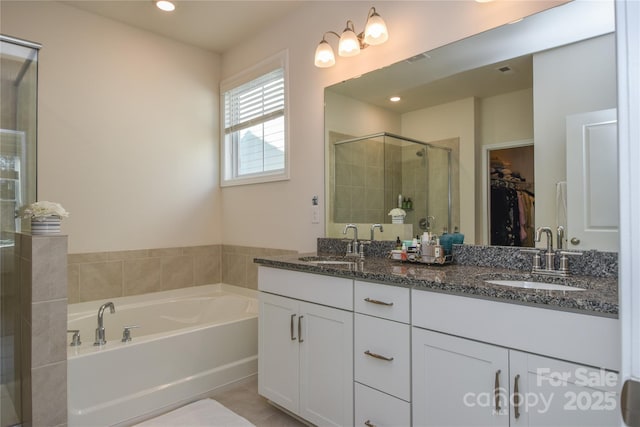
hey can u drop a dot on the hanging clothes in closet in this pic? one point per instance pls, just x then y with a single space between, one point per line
512 212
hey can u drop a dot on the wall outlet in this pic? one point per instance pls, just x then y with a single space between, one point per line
315 214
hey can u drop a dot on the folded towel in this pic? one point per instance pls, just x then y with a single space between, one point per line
203 413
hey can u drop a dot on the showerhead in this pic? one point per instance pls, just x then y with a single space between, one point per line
420 153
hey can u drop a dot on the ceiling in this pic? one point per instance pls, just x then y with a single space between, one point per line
214 25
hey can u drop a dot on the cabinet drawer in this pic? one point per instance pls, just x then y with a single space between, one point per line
326 290
382 355
389 302
380 409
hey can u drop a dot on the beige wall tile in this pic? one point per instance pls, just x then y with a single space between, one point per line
48 338
207 268
73 283
49 268
100 280
165 252
88 257
25 289
142 276
122 255
234 268
49 393
177 272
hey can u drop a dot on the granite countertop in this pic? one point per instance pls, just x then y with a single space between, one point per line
600 296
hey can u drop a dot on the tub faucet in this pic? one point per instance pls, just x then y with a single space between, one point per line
100 333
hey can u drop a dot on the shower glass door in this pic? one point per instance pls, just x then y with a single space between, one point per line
18 77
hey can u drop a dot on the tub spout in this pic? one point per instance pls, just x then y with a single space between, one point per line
100 332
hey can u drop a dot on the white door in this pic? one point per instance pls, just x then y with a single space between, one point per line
554 393
628 47
456 381
592 181
326 365
278 350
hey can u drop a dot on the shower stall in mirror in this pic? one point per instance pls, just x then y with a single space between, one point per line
18 126
371 175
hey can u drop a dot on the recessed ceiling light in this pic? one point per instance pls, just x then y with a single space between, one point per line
394 99
165 5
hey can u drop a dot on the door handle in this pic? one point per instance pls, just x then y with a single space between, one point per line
516 397
496 391
375 301
378 356
630 403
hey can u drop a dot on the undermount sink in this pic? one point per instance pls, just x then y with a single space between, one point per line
533 285
326 260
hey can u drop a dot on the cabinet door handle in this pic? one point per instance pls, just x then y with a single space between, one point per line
300 329
496 391
375 301
293 338
378 356
516 397
368 424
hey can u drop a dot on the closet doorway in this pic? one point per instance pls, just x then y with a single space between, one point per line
510 194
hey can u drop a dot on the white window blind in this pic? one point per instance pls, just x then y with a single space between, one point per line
254 127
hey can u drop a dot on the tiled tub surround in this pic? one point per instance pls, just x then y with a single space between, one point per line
600 296
102 275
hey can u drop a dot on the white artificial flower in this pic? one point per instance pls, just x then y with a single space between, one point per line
43 209
397 212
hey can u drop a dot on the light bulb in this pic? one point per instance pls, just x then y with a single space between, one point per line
375 32
349 44
324 55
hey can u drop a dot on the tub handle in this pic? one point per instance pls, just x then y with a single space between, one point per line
126 333
293 337
75 340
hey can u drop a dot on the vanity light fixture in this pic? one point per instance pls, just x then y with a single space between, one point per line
394 99
375 33
165 5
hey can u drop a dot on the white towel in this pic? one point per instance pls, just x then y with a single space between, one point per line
203 413
561 204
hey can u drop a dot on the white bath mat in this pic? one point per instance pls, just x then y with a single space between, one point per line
203 413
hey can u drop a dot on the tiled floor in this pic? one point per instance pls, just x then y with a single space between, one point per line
244 400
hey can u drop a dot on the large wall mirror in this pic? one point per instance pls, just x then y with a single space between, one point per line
527 114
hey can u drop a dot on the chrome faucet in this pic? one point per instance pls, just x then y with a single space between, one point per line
560 237
352 247
373 227
550 255
100 332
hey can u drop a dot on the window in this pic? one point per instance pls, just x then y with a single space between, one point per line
254 110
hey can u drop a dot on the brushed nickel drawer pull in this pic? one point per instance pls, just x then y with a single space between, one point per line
293 338
300 329
496 391
375 301
516 397
368 424
378 356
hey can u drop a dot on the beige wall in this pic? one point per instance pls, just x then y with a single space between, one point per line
128 130
128 121
414 27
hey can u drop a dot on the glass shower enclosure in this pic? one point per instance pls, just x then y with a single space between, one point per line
18 133
373 174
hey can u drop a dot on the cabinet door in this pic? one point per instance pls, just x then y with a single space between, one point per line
455 381
278 350
556 393
326 365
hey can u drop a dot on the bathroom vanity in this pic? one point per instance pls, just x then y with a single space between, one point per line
379 342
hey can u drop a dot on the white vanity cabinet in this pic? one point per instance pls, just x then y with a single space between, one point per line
305 359
382 355
461 380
